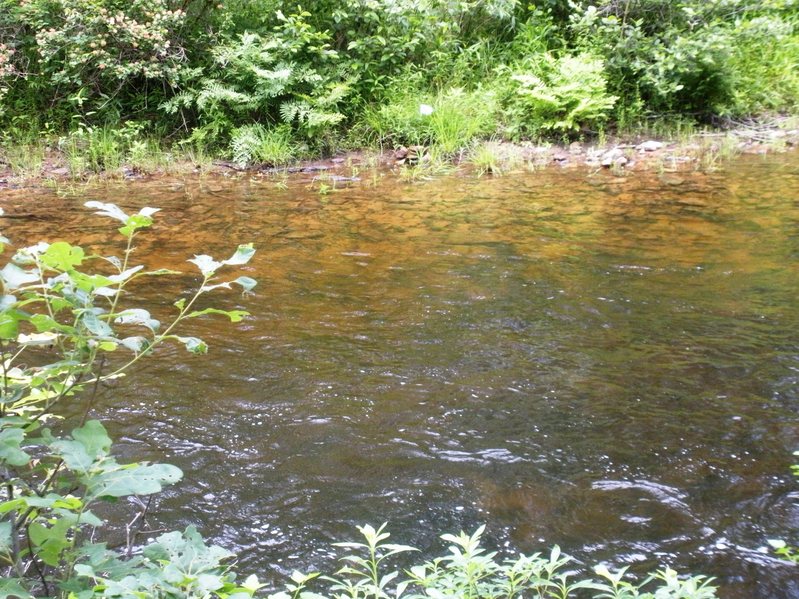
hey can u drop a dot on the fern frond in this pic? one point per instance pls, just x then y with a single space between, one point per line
244 143
215 93
292 110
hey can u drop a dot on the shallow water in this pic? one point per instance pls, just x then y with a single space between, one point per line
607 364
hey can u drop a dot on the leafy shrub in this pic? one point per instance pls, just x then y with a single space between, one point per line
89 56
781 548
468 572
561 94
59 323
700 58
763 65
265 79
84 44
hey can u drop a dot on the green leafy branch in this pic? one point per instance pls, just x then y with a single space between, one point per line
68 321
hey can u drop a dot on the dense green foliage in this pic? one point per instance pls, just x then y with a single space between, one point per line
467 571
65 329
269 80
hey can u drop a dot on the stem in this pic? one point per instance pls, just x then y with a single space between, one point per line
35 563
128 252
158 338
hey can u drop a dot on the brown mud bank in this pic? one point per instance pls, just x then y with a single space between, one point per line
701 152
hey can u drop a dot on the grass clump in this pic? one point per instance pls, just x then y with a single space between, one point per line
449 119
255 144
495 158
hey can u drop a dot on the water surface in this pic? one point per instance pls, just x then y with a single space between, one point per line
607 364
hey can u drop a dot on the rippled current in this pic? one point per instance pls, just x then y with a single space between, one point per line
607 364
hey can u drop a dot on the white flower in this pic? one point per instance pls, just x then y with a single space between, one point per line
425 109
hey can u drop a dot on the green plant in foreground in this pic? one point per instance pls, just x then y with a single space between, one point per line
64 331
468 572
781 548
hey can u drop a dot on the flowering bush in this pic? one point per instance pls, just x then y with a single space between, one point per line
94 44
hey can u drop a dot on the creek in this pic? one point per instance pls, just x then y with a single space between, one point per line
609 364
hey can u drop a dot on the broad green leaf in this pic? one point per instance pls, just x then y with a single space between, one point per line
246 283
52 541
194 345
13 505
44 323
47 338
234 315
9 324
243 255
93 437
133 479
90 282
125 275
90 518
14 277
107 209
96 326
134 223
106 292
135 344
186 551
252 584
206 264
10 452
89 444
11 588
138 316
207 583
55 501
62 256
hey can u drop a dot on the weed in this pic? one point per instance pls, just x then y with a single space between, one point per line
255 144
495 158
467 571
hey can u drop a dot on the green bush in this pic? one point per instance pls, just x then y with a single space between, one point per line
72 322
90 56
259 78
561 94
467 571
764 66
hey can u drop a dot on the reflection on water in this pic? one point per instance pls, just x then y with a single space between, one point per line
606 364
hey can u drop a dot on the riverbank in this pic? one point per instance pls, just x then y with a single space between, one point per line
43 164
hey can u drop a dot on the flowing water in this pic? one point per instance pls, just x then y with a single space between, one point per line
607 364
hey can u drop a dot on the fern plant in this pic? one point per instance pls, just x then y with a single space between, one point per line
259 78
563 94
